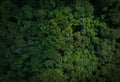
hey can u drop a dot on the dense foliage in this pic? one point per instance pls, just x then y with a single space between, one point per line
59 40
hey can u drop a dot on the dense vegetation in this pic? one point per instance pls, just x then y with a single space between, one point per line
59 40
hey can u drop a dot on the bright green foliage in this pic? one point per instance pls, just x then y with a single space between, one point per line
59 41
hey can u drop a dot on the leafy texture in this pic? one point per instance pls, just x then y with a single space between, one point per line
59 41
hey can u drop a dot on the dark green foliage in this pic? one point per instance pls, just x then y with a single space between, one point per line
59 41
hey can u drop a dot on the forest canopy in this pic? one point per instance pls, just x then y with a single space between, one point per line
59 40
